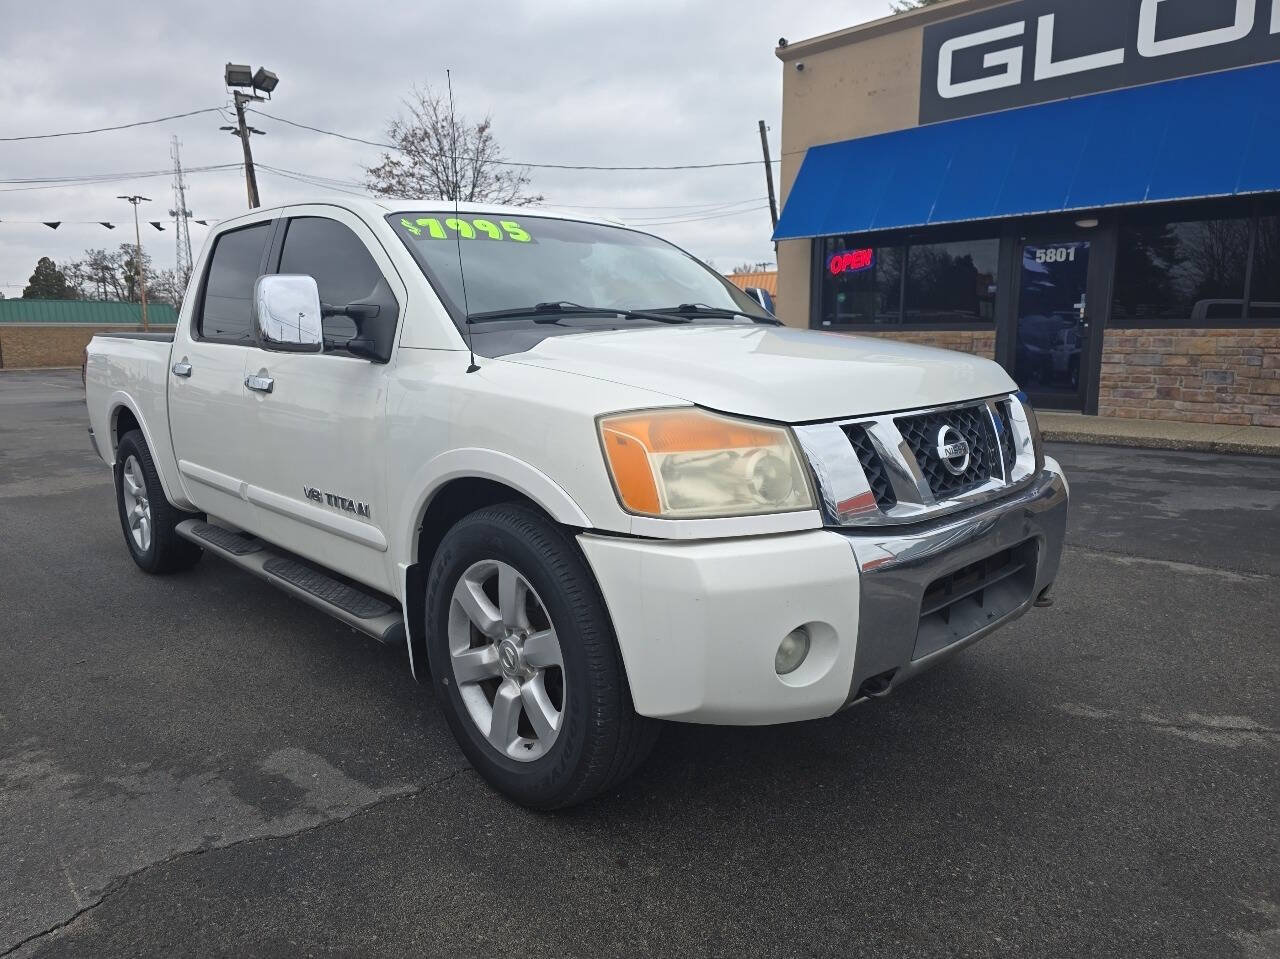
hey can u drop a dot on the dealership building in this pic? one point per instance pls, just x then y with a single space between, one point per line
1087 191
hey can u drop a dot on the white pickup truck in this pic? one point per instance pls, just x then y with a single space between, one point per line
588 483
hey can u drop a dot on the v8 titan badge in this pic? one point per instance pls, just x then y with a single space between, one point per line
336 501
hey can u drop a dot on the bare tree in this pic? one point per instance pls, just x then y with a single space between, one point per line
165 286
445 157
107 274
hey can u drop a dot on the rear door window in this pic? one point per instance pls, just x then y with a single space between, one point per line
226 310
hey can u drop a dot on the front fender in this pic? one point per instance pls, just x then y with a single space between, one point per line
494 465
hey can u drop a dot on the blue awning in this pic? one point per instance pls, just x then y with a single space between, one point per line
1206 136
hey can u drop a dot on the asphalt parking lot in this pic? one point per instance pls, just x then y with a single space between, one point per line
198 765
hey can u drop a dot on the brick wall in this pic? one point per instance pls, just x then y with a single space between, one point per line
1192 376
977 342
25 346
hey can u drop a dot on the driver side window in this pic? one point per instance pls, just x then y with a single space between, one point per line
343 270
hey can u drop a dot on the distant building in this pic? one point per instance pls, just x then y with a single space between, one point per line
45 333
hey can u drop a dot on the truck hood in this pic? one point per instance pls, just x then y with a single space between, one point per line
773 373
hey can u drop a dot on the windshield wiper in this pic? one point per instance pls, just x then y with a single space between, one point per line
701 309
552 311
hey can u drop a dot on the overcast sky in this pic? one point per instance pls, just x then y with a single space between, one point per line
568 81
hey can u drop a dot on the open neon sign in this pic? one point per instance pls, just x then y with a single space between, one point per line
851 261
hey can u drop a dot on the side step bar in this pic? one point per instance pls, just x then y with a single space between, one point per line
360 608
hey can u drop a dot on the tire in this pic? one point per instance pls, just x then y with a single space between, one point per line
597 739
152 542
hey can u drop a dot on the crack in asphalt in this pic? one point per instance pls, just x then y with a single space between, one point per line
118 885
1122 556
1230 731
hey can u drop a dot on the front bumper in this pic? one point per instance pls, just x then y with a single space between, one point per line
698 623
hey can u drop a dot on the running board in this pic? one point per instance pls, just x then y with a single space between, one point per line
360 608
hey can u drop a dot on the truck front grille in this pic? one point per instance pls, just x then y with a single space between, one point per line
872 465
897 468
973 424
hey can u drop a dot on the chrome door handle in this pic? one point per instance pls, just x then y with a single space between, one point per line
181 369
260 384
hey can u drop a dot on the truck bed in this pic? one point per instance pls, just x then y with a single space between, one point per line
130 371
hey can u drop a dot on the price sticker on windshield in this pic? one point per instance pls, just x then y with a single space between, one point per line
465 228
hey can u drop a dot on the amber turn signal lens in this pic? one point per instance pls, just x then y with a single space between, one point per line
629 462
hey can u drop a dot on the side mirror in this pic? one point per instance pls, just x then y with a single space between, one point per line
287 308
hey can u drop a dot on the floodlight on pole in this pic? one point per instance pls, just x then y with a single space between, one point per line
239 75
264 81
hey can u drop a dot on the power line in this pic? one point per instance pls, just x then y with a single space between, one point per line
121 126
55 183
311 181
697 219
520 163
713 208
673 206
696 209
97 176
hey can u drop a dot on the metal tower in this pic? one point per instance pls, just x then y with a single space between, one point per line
180 214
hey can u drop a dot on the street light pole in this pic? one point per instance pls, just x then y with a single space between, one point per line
137 256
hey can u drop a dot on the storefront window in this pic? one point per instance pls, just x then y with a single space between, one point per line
860 284
1264 292
1190 271
952 282
946 283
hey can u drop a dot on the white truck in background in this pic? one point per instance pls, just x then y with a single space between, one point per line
588 483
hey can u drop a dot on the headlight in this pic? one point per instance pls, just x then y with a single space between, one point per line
687 463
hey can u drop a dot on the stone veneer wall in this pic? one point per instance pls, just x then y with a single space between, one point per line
1230 377
33 345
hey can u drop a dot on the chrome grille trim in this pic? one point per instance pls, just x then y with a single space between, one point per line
846 495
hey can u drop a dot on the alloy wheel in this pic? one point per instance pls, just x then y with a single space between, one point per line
137 506
506 660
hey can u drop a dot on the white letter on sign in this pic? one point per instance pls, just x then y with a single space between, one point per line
1010 59
1045 65
1149 46
1275 16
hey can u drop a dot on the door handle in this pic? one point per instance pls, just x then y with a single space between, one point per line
260 384
182 369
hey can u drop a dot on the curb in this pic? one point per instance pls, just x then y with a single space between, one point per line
1161 443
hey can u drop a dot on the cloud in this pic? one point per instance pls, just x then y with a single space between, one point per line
571 81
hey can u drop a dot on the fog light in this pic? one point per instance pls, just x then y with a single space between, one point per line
791 651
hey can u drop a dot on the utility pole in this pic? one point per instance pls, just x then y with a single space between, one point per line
768 175
138 264
181 215
260 82
243 131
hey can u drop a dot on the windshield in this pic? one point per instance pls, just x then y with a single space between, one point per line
517 264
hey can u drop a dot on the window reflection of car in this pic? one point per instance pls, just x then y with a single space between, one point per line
761 296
